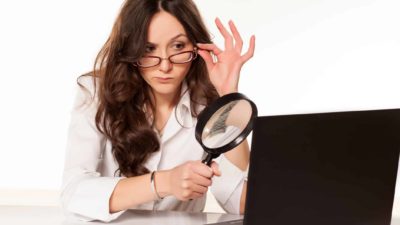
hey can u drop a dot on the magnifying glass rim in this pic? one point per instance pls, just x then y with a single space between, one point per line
207 113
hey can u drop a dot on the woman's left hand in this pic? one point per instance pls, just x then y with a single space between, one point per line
224 71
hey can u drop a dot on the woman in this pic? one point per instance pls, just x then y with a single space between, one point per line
131 142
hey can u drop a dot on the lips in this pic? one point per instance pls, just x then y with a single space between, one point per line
163 79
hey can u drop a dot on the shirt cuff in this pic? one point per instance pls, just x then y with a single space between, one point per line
90 200
227 189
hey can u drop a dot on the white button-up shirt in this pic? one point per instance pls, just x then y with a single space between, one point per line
89 180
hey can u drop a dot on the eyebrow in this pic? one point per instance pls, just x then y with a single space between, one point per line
172 39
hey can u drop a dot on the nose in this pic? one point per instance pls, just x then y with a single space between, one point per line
165 65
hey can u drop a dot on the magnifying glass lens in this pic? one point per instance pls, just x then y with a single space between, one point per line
226 124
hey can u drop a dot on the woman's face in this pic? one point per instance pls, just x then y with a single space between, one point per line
166 36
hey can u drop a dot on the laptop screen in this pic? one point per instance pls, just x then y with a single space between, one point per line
327 168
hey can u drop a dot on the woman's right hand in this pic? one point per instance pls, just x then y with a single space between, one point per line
191 179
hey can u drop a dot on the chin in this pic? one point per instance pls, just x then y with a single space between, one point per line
166 88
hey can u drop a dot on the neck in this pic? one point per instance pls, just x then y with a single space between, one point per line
164 104
165 101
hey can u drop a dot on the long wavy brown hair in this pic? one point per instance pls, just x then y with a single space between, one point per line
122 92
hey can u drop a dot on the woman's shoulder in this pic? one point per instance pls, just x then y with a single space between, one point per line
87 91
88 81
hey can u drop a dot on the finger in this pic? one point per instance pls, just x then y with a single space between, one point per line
200 180
195 195
202 169
210 47
236 35
190 195
215 167
199 189
250 51
207 59
228 37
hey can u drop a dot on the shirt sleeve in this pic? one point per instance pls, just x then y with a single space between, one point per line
85 193
227 189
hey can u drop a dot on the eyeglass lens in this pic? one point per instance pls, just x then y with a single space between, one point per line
183 57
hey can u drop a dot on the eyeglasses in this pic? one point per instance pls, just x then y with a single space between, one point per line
179 58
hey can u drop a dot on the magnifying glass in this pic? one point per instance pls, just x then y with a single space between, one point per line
225 124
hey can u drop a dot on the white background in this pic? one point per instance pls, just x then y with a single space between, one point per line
311 56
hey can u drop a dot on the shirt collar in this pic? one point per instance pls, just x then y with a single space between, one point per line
183 108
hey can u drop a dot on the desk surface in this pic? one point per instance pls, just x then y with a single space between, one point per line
39 215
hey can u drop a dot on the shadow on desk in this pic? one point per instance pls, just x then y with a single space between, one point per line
45 215
145 217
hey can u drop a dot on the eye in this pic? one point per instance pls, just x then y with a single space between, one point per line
149 48
179 46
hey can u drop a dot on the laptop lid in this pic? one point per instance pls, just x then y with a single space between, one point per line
327 168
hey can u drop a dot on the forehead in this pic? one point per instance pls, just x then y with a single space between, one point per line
163 27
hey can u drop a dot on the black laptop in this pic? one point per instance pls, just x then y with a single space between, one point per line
323 169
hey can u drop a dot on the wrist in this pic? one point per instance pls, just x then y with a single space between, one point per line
162 181
225 92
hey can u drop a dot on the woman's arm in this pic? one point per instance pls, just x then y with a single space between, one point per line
137 190
187 181
224 73
243 198
230 188
85 193
239 156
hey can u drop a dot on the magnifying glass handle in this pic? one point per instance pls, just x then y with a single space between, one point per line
209 159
